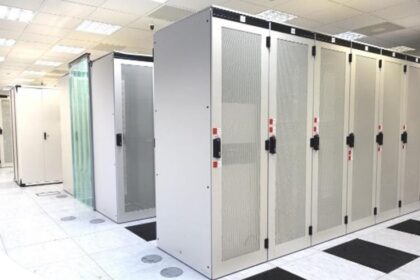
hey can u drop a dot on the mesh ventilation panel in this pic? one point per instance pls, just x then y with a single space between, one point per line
139 179
241 132
364 131
7 131
291 121
391 129
412 165
332 99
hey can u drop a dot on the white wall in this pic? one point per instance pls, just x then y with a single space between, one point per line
66 146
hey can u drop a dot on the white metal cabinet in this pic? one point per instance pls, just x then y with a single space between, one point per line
390 128
38 142
362 150
122 116
290 105
330 124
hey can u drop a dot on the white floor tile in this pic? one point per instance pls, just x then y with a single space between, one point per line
410 271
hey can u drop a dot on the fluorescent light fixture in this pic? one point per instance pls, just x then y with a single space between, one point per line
15 14
276 16
7 88
1 58
7 42
97 27
47 63
67 49
160 1
33 73
350 36
401 49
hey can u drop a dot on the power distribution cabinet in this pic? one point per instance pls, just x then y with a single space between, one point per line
271 138
123 137
37 143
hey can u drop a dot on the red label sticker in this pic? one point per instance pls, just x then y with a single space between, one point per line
215 164
214 131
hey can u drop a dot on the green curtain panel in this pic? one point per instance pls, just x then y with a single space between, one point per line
81 131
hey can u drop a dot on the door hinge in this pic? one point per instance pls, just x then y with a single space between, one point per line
350 57
405 68
399 204
375 211
315 142
380 63
346 220
310 230
270 145
268 42
266 243
313 50
350 140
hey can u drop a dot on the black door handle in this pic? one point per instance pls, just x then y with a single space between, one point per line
404 137
45 136
350 140
315 142
380 139
118 138
270 145
217 147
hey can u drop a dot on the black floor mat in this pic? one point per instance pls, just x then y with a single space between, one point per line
372 255
144 231
275 274
409 226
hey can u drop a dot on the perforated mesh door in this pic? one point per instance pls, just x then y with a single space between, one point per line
7 131
291 127
331 130
241 147
391 128
364 130
139 179
412 160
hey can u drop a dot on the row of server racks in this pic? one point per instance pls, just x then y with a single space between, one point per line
270 139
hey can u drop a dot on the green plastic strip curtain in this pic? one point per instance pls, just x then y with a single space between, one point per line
81 130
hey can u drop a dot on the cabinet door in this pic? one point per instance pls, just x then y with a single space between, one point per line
331 124
239 120
30 137
390 124
411 173
363 122
135 154
52 139
7 140
290 105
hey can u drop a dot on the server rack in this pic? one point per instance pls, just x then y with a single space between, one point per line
6 140
37 144
122 118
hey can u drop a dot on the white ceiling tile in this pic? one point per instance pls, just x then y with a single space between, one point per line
56 21
130 37
244 7
359 21
47 30
377 42
270 4
412 21
95 3
400 11
58 7
371 5
113 17
197 5
85 36
305 7
8 34
146 51
15 26
401 37
23 4
135 7
330 15
95 54
304 23
77 43
329 29
38 38
144 23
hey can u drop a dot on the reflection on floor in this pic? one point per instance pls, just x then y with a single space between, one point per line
47 232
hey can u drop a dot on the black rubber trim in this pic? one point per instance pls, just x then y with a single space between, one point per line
288 30
232 16
362 47
328 39
413 59
133 57
390 54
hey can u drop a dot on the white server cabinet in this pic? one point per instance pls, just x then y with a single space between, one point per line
37 142
123 137
290 124
361 144
390 127
6 140
211 102
410 137
330 129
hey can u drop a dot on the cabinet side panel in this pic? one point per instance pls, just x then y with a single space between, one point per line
182 132
103 136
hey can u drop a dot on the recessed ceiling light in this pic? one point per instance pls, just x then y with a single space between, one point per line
276 16
48 63
350 36
7 42
1 58
67 49
402 49
97 27
15 14
33 73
